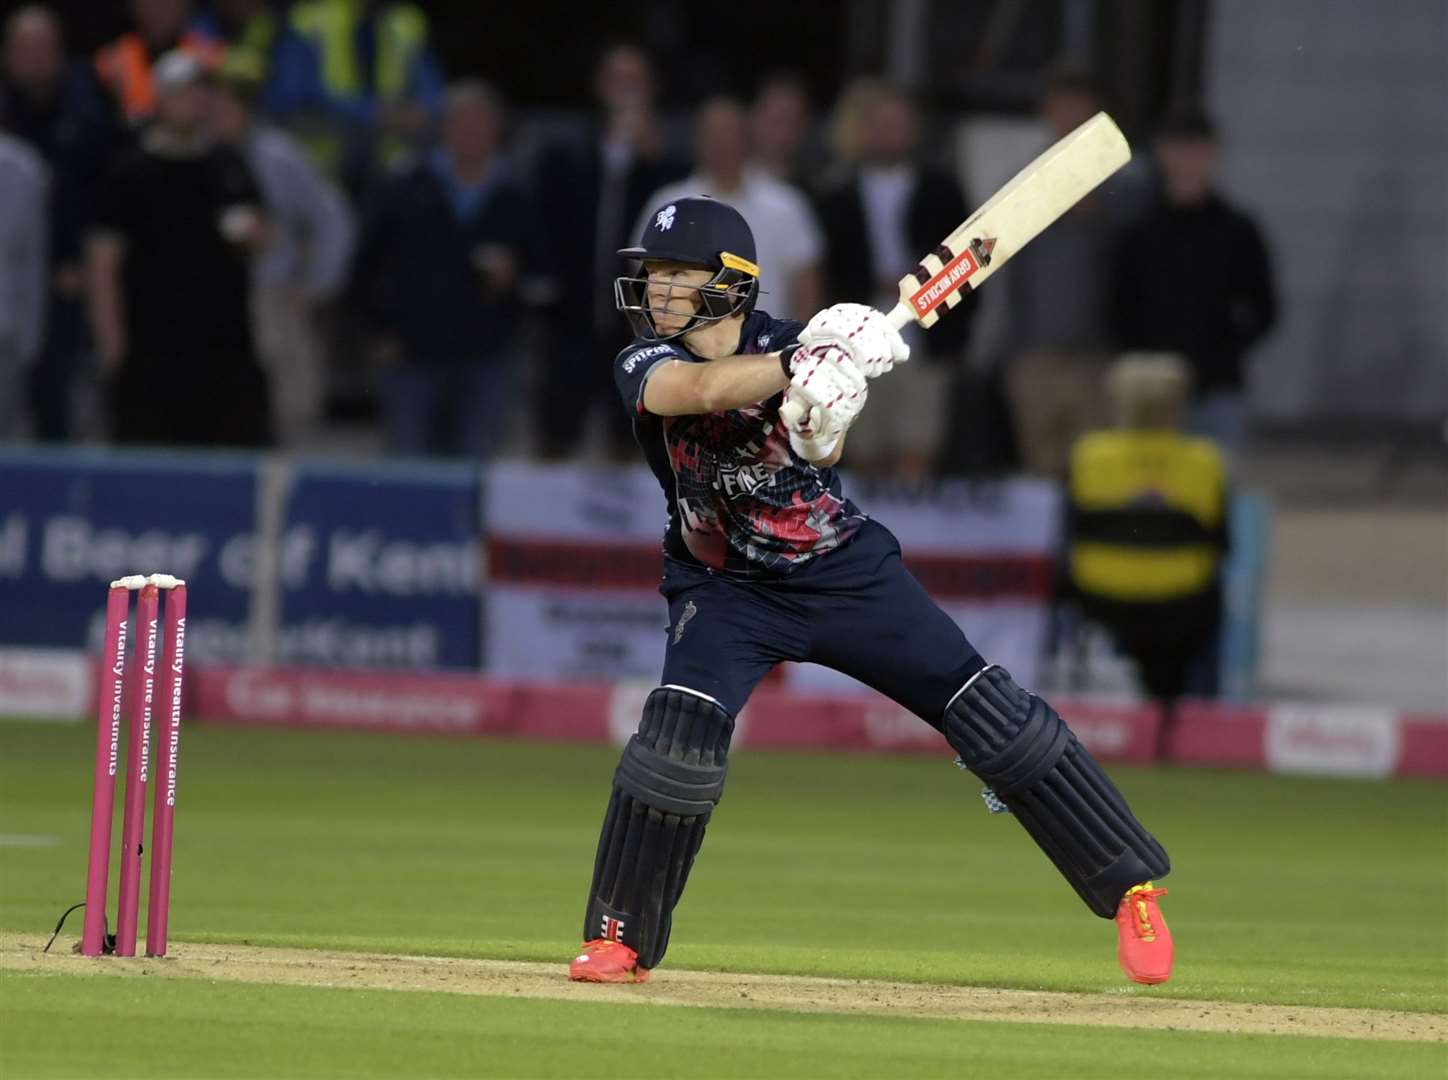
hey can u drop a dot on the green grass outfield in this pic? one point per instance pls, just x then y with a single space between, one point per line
1288 891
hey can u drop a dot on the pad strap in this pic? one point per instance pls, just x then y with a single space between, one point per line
675 787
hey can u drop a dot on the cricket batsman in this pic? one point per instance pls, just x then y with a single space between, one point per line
766 560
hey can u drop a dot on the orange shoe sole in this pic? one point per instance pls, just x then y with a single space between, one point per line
638 975
1146 980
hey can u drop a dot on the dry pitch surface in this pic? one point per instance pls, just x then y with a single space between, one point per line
506 978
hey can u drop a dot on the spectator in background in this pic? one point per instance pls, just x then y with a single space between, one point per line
123 67
877 221
790 245
779 131
56 107
846 130
177 221
1058 310
306 262
443 248
1195 278
359 81
248 30
23 183
1147 530
589 190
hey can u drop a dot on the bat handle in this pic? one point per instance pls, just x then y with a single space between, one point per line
900 316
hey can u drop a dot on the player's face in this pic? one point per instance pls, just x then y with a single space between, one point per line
673 294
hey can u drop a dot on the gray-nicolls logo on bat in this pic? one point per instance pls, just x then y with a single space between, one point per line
684 616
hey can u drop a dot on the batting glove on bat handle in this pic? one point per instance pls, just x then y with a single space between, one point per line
823 376
869 339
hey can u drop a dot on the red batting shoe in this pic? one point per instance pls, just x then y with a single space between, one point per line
1144 943
605 961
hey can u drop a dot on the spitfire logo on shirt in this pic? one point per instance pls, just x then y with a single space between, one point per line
743 478
647 354
665 221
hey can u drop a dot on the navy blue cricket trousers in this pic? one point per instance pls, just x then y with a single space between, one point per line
856 609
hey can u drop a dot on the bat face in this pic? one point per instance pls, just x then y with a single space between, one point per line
1037 195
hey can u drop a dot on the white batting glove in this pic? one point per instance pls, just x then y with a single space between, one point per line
824 397
865 335
824 375
816 437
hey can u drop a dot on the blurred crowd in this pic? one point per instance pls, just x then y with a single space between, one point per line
237 223
230 218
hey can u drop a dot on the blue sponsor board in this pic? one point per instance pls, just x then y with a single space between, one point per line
72 521
1244 586
381 566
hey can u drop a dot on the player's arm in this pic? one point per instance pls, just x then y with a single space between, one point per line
677 388
680 388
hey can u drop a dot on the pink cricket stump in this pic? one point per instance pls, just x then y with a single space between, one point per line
103 798
138 767
168 743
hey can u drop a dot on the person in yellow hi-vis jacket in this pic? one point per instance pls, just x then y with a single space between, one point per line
1147 528
357 82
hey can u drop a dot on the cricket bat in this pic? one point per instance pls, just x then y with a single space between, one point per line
1014 216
